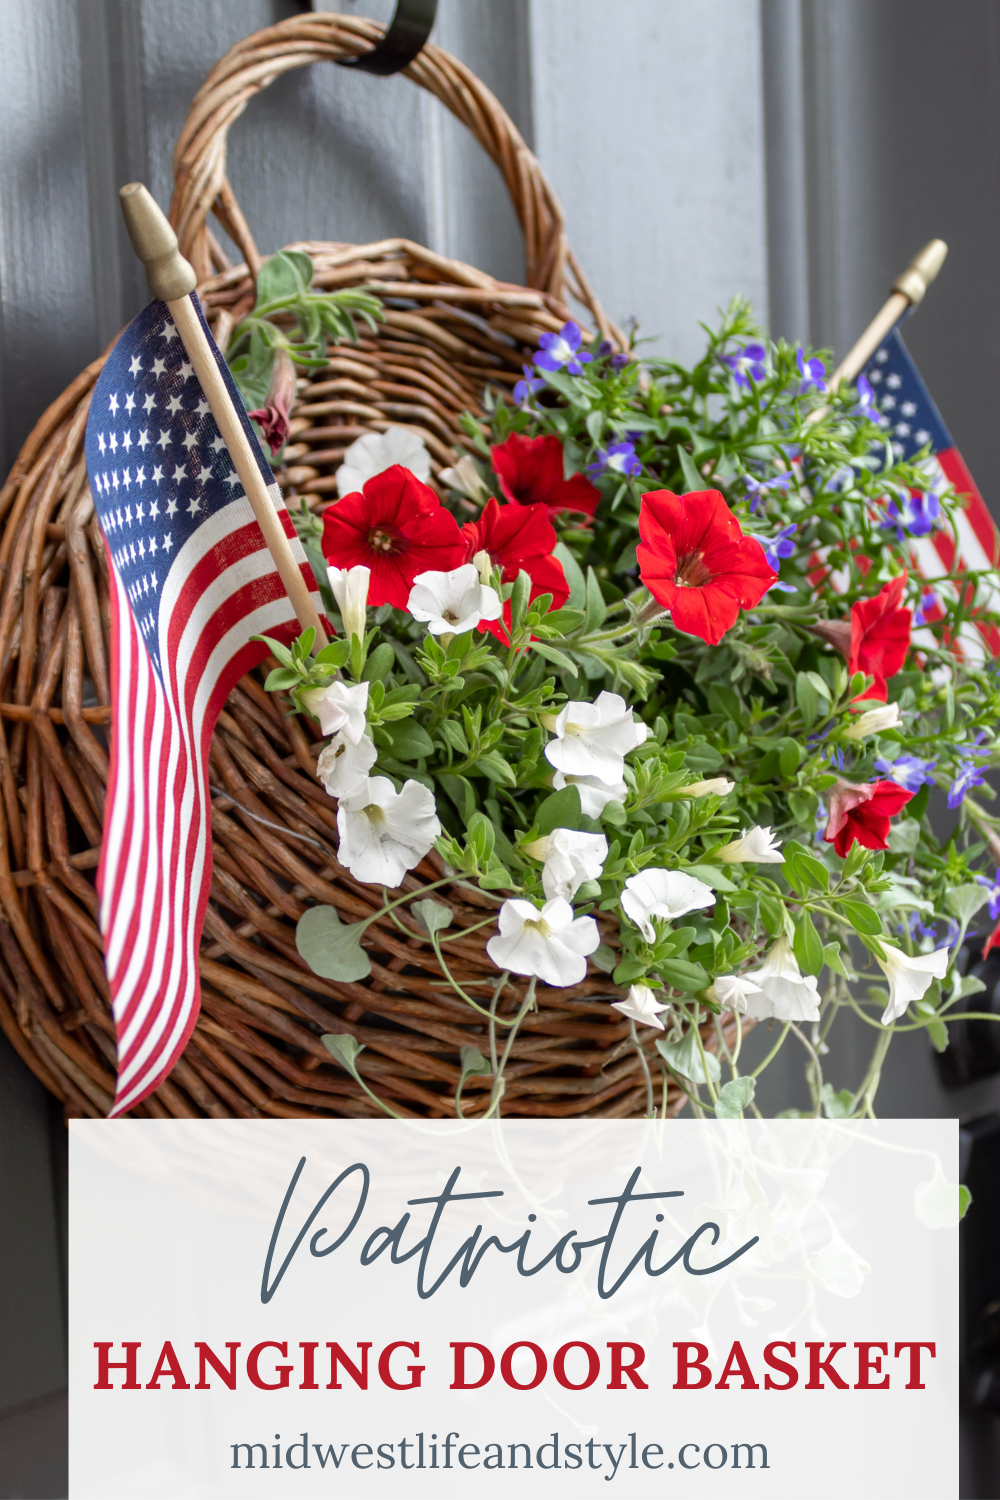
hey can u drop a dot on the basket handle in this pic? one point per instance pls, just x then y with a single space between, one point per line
201 185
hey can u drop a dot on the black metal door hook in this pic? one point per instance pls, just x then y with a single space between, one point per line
407 32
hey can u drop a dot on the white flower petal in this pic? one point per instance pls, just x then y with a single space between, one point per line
663 893
732 991
450 603
595 794
784 991
350 589
550 944
375 452
339 707
570 858
909 977
643 1006
873 721
384 833
592 739
342 764
757 846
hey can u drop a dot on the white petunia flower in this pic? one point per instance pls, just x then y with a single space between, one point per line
663 893
757 846
350 589
570 858
450 603
339 707
551 944
643 1006
595 794
873 721
384 833
377 451
342 764
909 978
731 991
785 992
592 739
466 478
718 786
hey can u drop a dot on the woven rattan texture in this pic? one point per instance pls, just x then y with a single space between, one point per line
255 1052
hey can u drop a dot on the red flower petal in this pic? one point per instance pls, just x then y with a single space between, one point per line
398 528
861 814
518 537
696 562
530 471
880 637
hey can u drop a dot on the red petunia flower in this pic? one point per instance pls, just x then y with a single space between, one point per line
862 813
398 528
530 471
695 560
517 537
880 637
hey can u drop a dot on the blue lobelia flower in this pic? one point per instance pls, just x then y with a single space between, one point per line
866 407
907 771
749 364
913 514
775 548
618 458
993 886
757 489
928 601
561 351
528 385
619 361
969 773
813 372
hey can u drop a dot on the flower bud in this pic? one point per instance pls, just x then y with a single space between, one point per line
873 721
350 589
273 415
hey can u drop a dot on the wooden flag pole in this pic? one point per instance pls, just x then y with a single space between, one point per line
172 280
907 290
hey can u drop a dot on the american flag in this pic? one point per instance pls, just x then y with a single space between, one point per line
191 582
912 421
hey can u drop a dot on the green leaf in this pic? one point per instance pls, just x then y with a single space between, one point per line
286 274
604 958
493 765
565 620
807 698
575 580
379 664
833 960
629 970
345 1048
734 1097
964 1200
807 945
712 876
772 914
862 918
519 599
808 873
557 658
683 975
836 1106
474 1064
685 1057
461 793
331 949
963 901
692 479
596 607
560 810
482 836
453 735
409 741
904 836
432 915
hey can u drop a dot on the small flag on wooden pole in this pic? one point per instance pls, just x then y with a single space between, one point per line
203 557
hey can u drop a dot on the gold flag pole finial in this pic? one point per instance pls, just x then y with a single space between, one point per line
907 290
172 280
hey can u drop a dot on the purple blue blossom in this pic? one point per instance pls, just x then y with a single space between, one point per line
928 601
619 361
813 372
907 771
912 514
918 929
775 548
866 406
528 385
749 364
757 489
561 351
969 773
618 458
993 886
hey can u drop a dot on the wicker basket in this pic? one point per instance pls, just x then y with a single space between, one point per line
256 1050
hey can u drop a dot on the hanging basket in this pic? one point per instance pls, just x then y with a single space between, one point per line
449 331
